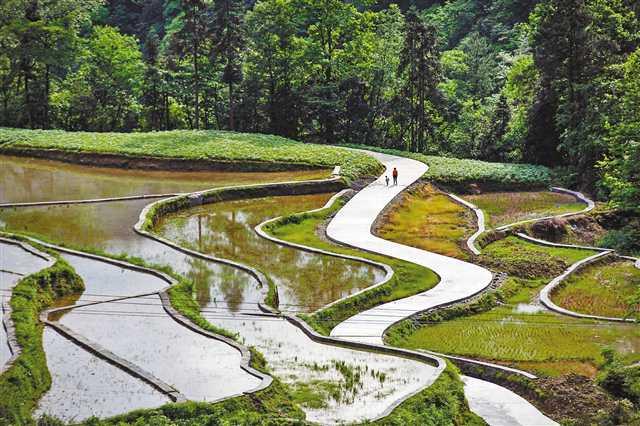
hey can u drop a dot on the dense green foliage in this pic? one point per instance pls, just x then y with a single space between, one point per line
200 145
22 385
550 82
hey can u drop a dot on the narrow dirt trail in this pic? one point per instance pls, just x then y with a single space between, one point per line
459 280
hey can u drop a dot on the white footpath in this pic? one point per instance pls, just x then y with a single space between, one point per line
458 280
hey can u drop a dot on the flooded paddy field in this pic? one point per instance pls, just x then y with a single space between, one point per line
104 281
108 227
333 384
83 385
306 281
140 331
32 180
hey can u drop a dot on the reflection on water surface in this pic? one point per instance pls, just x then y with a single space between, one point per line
30 180
306 281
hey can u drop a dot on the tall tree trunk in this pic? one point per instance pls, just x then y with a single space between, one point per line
47 89
232 124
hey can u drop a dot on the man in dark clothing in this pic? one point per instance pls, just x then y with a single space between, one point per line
395 176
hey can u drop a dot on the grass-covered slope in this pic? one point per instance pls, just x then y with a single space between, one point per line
459 173
196 145
22 385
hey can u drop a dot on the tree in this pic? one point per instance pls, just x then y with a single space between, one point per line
40 39
103 93
273 61
620 166
229 41
189 35
420 66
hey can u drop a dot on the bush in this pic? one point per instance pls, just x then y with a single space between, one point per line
619 380
624 240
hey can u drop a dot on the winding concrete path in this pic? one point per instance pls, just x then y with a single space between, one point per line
352 226
459 280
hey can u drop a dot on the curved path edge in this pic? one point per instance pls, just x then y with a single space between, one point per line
352 225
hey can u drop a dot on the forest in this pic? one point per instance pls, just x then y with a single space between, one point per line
552 82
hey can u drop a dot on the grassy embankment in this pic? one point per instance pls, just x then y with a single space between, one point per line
463 175
603 288
502 208
22 385
408 279
193 145
505 326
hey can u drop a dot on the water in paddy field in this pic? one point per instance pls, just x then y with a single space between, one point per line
306 281
32 180
109 227
83 385
349 385
139 330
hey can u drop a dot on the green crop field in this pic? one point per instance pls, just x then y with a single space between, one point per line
428 219
502 208
600 289
525 335
189 144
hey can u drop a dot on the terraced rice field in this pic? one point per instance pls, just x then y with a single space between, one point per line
502 208
600 289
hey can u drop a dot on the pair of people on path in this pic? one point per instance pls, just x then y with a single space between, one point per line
395 177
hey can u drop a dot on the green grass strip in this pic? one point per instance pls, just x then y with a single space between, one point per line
409 278
22 385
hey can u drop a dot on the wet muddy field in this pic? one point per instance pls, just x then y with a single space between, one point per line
31 180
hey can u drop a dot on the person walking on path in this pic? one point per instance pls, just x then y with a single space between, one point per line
395 176
386 178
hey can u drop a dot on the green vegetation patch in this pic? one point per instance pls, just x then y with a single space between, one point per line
430 220
22 385
409 278
196 145
502 208
507 327
525 259
462 172
600 289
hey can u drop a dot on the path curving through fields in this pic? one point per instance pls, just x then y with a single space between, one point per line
352 225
